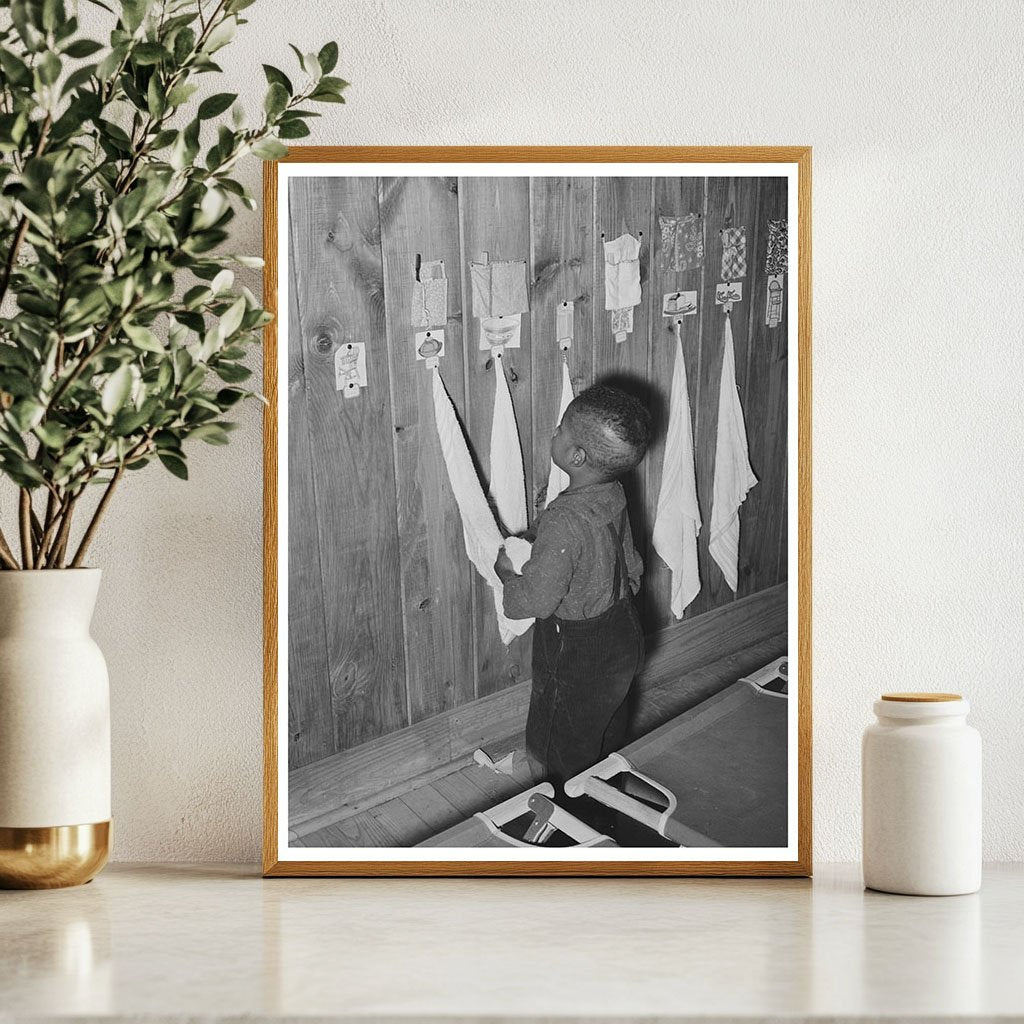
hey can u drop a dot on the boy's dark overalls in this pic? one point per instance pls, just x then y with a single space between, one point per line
583 670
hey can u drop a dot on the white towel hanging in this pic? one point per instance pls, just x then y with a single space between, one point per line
677 521
508 480
558 479
733 475
479 530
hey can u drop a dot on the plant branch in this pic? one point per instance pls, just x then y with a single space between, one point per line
51 523
25 522
37 527
90 531
6 554
60 544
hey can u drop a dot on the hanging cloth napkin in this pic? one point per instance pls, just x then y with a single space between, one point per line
508 480
677 521
499 288
430 295
558 479
734 253
777 260
682 242
733 475
622 272
479 531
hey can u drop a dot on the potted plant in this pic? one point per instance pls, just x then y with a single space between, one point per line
122 340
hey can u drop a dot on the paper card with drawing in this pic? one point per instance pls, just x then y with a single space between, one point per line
728 292
500 332
679 304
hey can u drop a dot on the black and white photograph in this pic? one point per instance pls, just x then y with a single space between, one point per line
536 519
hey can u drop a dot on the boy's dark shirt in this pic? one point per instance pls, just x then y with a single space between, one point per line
572 565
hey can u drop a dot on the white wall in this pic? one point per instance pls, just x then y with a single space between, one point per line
914 113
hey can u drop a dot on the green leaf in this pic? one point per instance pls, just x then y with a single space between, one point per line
167 441
195 296
193 379
26 20
26 414
326 96
133 12
232 373
221 35
311 65
129 207
16 70
38 305
222 281
276 100
292 130
164 375
211 433
109 65
184 44
11 356
11 442
21 471
232 319
162 139
49 68
269 149
328 57
83 48
210 209
175 465
149 53
115 133
228 397
128 421
144 338
78 78
53 435
278 77
334 84
116 390
119 291
216 104
16 383
181 94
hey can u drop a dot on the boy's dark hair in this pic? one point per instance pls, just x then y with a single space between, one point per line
615 427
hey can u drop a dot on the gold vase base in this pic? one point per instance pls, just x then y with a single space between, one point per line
53 857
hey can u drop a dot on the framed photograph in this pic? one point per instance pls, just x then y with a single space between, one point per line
538 511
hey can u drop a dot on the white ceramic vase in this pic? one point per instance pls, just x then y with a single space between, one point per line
54 731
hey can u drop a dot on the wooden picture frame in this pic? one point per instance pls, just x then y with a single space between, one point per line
351 299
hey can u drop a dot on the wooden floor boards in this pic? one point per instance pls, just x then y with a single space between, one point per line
430 805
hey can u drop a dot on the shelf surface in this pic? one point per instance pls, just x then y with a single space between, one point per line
177 941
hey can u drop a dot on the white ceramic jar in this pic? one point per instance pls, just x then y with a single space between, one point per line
921 790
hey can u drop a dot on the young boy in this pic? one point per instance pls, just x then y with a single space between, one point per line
583 570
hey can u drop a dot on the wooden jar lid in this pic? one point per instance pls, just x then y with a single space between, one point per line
921 698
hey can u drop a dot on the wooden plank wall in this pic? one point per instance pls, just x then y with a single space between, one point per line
388 623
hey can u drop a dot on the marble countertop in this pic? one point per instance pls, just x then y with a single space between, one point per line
181 941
